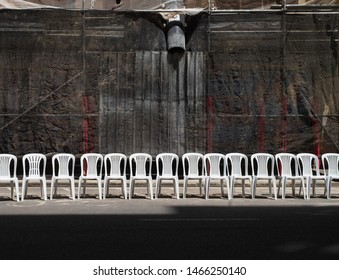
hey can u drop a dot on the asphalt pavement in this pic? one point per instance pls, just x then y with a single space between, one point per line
167 228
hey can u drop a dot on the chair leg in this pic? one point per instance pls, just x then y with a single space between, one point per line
254 185
176 188
43 189
99 188
124 188
23 194
275 189
303 186
207 187
52 187
131 189
328 187
17 190
157 191
314 183
79 187
72 189
150 188
184 188
308 187
105 192
283 188
229 195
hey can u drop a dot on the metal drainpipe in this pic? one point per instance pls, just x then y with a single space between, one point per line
175 28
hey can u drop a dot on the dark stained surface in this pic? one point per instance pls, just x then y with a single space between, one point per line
102 81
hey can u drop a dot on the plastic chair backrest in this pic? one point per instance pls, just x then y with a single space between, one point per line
138 163
36 165
308 164
331 160
215 164
238 164
262 161
91 165
193 160
115 164
65 163
6 162
166 160
287 164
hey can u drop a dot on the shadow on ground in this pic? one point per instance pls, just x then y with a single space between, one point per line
188 233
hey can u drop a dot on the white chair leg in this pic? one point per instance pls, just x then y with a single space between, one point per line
23 190
253 188
105 192
328 187
131 189
207 187
99 189
275 189
79 187
17 190
44 189
150 188
184 188
124 188
72 189
52 187
283 188
176 186
157 189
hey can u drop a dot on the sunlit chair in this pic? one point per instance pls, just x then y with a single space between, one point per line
91 169
34 169
63 170
263 169
8 166
167 169
193 169
238 170
141 168
288 169
309 169
330 163
115 170
215 169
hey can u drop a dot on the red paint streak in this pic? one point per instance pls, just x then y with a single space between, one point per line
210 123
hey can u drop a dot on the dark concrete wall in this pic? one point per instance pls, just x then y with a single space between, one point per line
73 81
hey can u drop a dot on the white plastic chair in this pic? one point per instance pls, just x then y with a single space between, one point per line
238 170
309 168
215 169
138 166
194 171
288 169
115 169
167 169
91 169
8 167
331 161
63 169
263 169
36 164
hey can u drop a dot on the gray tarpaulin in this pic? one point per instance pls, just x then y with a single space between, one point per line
103 81
150 5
